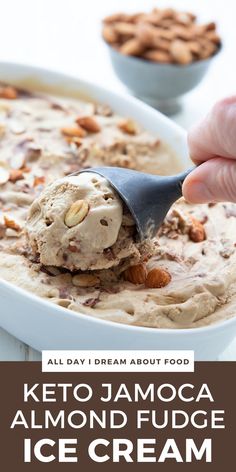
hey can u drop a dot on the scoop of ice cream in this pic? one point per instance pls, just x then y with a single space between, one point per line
79 223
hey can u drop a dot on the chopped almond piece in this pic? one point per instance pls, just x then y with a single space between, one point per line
73 248
128 127
16 174
74 140
25 169
11 224
197 232
39 181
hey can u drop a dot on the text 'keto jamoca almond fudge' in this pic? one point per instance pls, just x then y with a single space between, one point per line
185 277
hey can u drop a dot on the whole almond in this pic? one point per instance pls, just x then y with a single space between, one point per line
194 47
157 278
207 48
210 26
126 29
132 47
168 13
109 34
76 213
184 18
162 44
89 124
167 23
156 55
145 34
180 52
73 131
85 280
183 33
165 33
213 36
136 274
136 17
197 232
154 18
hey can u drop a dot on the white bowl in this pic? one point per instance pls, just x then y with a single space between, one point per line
44 325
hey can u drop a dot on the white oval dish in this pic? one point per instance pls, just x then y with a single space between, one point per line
44 325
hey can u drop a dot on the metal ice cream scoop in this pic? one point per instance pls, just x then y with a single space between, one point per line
148 197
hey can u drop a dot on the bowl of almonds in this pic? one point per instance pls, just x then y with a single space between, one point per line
161 55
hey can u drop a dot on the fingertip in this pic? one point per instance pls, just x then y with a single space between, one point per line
196 191
197 186
212 181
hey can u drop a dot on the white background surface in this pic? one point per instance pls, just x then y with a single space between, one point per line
65 35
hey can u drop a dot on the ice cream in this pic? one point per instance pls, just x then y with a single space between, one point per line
79 223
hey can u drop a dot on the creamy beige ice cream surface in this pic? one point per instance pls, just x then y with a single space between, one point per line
37 146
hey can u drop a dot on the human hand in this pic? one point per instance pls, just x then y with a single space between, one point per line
212 144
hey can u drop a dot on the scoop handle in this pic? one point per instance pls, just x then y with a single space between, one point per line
185 174
180 178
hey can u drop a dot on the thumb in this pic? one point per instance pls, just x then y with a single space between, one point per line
215 135
212 181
